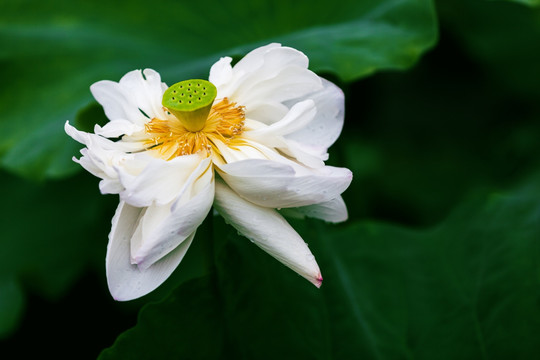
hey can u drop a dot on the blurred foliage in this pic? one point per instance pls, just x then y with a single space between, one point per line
175 334
44 247
502 38
466 117
440 258
526 2
11 304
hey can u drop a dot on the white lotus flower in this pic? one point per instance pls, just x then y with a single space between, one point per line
251 141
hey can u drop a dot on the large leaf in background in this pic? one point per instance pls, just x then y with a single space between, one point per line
419 141
526 2
191 312
428 137
52 51
466 289
11 304
504 38
469 288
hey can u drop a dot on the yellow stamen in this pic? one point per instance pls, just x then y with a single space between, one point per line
170 138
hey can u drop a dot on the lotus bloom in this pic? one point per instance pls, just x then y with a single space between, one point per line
251 141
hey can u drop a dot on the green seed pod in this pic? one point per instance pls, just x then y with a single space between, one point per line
190 101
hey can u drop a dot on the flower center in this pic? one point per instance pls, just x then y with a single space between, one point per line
197 123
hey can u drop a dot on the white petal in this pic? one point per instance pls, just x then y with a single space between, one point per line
268 76
125 100
96 166
333 211
297 118
273 184
241 152
127 281
250 64
117 128
93 139
264 62
108 186
221 72
307 155
267 112
145 90
100 156
161 181
275 135
289 83
116 103
268 230
163 228
328 122
255 58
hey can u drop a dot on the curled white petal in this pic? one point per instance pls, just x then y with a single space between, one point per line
273 184
100 157
163 228
136 97
297 117
160 181
333 211
221 72
125 280
289 83
264 79
267 112
116 102
146 90
117 128
268 230
327 124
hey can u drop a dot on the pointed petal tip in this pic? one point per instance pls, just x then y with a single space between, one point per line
118 296
317 281
122 298
123 294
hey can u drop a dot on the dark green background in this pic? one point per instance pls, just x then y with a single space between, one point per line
440 258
